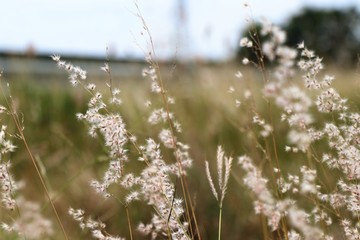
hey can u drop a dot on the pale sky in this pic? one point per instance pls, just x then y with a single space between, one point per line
211 28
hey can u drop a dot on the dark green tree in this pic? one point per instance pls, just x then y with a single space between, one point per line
334 34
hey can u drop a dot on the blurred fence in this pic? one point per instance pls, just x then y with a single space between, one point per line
44 66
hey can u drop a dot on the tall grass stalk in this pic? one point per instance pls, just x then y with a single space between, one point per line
20 132
152 60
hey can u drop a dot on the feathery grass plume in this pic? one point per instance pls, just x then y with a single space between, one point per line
339 148
223 179
276 209
8 185
153 184
113 130
265 202
28 223
300 220
294 102
342 138
110 125
158 191
97 228
168 137
75 73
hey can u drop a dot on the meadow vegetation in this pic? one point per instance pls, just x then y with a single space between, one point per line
230 151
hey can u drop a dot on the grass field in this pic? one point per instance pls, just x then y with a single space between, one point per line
69 158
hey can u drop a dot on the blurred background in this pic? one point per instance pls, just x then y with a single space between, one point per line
196 42
180 28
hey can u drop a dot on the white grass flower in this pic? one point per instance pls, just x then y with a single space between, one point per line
155 87
300 220
91 86
116 101
268 49
167 138
96 227
105 68
231 89
116 91
171 100
31 223
2 108
55 57
223 176
307 53
133 196
238 74
351 232
158 191
247 94
267 130
292 235
75 72
212 186
133 139
308 181
8 187
147 103
245 42
177 126
301 45
157 116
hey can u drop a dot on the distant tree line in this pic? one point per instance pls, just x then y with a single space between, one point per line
334 34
